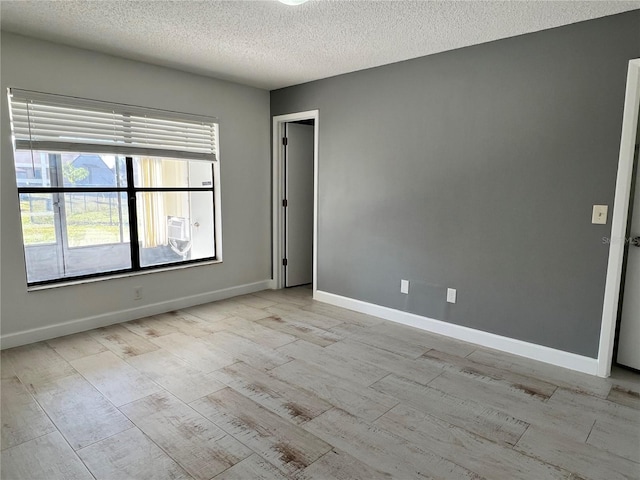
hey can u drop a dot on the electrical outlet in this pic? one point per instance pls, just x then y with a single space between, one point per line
451 295
404 286
137 293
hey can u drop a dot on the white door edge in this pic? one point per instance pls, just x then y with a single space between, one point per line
278 194
619 219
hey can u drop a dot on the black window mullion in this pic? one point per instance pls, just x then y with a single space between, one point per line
174 189
213 199
57 189
133 216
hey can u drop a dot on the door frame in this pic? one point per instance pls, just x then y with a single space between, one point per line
619 219
278 190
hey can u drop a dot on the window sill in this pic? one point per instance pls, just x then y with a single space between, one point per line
84 281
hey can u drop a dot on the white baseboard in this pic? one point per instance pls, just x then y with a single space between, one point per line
541 353
102 320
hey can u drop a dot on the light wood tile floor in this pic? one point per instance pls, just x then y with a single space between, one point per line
276 386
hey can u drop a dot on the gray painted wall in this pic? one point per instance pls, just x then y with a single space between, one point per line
245 163
476 169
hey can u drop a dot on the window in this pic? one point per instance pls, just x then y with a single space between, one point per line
110 188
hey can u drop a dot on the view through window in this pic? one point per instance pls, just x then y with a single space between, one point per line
87 213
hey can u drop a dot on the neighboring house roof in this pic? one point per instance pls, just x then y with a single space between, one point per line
100 175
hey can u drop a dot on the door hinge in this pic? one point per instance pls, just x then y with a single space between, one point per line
284 202
284 262
285 141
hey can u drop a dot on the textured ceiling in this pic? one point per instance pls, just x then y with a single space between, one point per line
270 45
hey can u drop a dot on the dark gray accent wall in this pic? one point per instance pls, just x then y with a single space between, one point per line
476 169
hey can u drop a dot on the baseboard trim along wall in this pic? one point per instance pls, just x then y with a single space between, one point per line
82 324
541 353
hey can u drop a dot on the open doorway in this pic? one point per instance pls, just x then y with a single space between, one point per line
620 218
626 347
295 180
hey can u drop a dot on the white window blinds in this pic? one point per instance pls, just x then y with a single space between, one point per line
57 123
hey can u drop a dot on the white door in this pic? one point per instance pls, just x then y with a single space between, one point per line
201 209
629 337
299 204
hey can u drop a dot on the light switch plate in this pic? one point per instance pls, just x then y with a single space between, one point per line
451 295
404 286
599 216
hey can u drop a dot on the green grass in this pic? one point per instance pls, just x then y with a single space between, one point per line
90 226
